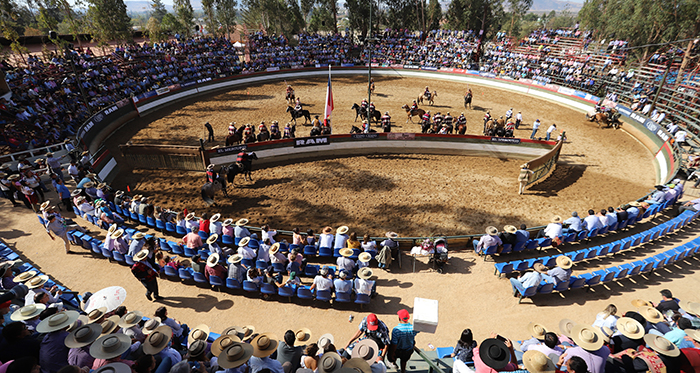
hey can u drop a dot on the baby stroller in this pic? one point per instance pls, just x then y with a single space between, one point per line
439 258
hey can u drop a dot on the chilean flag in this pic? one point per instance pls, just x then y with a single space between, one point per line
329 98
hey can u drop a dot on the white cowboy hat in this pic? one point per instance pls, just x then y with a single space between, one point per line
141 255
242 221
564 262
630 328
651 314
536 330
235 258
367 350
138 236
27 312
130 319
537 362
510 229
244 241
330 362
662 345
200 332
342 229
37 281
565 326
113 368
324 341
346 252
274 248
556 219
213 260
190 216
587 337
110 324
24 276
640 303
227 222
212 238
96 314
391 235
364 257
491 231
302 336
365 273
223 342
151 325
118 233
214 218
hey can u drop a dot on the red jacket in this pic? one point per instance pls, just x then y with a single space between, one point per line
143 272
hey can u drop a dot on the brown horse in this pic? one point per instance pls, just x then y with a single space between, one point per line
412 113
290 97
236 137
602 118
431 98
461 128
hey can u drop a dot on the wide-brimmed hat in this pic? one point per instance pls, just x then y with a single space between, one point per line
565 326
37 281
44 205
113 368
212 238
157 340
539 267
635 204
137 236
244 241
141 255
327 230
241 332
112 229
227 222
693 333
358 365
346 252
537 362
89 184
130 319
330 362
364 257
324 341
630 328
264 345
223 342
651 314
96 314
199 332
214 218
242 221
302 336
24 276
494 353
342 229
690 307
235 355
76 192
118 233
641 303
556 219
83 336
235 258
110 324
27 312
587 337
274 248
662 345
213 260
606 332
510 229
101 185
491 231
111 345
49 154
151 325
536 330
564 262
367 350
197 348
364 273
189 216
57 321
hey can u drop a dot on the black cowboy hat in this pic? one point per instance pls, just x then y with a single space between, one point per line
494 353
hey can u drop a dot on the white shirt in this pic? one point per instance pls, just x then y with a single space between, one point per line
191 224
363 286
215 227
323 283
680 136
519 117
246 252
553 230
536 125
325 240
592 222
369 246
263 252
72 170
269 235
551 129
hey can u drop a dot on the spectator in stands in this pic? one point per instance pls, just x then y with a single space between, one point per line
245 251
213 268
495 355
572 224
369 245
528 280
692 205
289 351
589 347
344 262
323 280
120 244
488 240
591 221
341 237
342 284
192 239
553 229
136 244
522 235
668 302
240 231
560 273
508 236
608 318
18 341
325 239
611 217
197 265
658 196
464 351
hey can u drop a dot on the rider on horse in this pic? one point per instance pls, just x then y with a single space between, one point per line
287 131
316 122
427 92
448 119
371 109
298 107
414 106
364 105
437 118
461 119
386 122
487 117
261 127
365 126
232 128
371 84
211 175
509 113
274 129
327 126
290 90
426 117
248 131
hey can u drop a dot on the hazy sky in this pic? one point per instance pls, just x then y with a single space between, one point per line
170 2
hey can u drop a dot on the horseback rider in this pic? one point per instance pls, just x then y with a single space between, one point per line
444 130
371 84
274 129
364 105
297 107
211 175
386 122
461 119
232 128
287 131
371 109
426 117
487 117
414 106
261 127
316 122
365 126
327 126
448 119
427 92
510 128
290 90
509 113
437 118
248 131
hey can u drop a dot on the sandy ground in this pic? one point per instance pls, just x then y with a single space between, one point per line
436 194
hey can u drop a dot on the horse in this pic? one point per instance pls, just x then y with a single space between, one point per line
489 127
244 168
461 128
236 137
412 113
428 96
468 100
209 190
356 129
424 126
315 131
610 120
304 113
359 112
290 97
263 136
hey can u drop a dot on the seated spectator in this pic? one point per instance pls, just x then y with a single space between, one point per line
508 235
325 239
268 234
487 240
227 228
235 269
275 255
528 280
572 224
364 284
323 280
560 273
192 240
495 355
214 268
352 242
464 350
342 284
658 196
240 231
341 237
368 245
553 229
607 318
344 262
668 302
592 222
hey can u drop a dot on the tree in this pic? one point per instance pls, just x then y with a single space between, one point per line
155 33
321 20
434 15
158 10
107 21
403 14
9 27
484 15
211 23
226 13
275 16
455 15
170 24
71 17
358 15
185 17
518 8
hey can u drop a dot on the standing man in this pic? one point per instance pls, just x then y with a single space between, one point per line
59 229
55 164
147 275
524 177
551 129
403 339
535 126
210 138
518 120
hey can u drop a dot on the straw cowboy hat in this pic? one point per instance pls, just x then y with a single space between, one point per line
157 340
240 332
662 345
491 231
113 368
364 257
96 314
330 362
223 342
640 303
83 336
358 365
44 205
302 336
28 312
539 267
241 222
138 197
141 255
630 328
235 258
565 326
112 229
587 337
494 353
101 185
537 362
367 350
57 321
690 307
235 355
89 184
274 248
342 229
75 193
197 348
264 345
214 218
200 332
138 236
212 238
564 262
213 260
325 341
151 325
510 229
190 216
635 204
346 252
365 273
651 314
82 320
24 276
227 222
392 235
110 346
244 241
37 281
130 319
556 219
118 233
692 333
327 230
536 330
607 333
110 324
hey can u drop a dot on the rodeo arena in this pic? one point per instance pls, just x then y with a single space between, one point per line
424 204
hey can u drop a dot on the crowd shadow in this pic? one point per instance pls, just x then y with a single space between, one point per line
13 234
200 303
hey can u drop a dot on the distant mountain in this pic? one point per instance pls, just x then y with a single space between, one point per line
556 5
144 6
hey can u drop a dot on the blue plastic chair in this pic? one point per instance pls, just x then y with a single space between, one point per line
529 292
176 248
129 260
362 299
286 291
180 231
576 282
170 228
268 289
531 244
160 225
279 267
260 264
325 252
562 286
106 253
200 278
118 257
519 246
343 297
142 219
545 289
203 235
324 295
94 246
309 250
503 268
254 244
151 222
303 292
311 270
250 286
248 263
226 239
189 252
544 242
506 248
171 272
232 283
216 281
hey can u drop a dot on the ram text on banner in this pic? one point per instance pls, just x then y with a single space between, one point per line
329 98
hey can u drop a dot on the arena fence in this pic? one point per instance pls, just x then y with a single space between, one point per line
144 156
543 165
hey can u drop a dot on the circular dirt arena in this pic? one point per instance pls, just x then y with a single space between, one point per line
410 194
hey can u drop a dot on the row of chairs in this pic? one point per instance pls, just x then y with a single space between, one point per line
602 250
616 273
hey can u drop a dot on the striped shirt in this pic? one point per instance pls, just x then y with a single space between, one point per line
403 336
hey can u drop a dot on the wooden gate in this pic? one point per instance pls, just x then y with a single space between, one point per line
173 157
